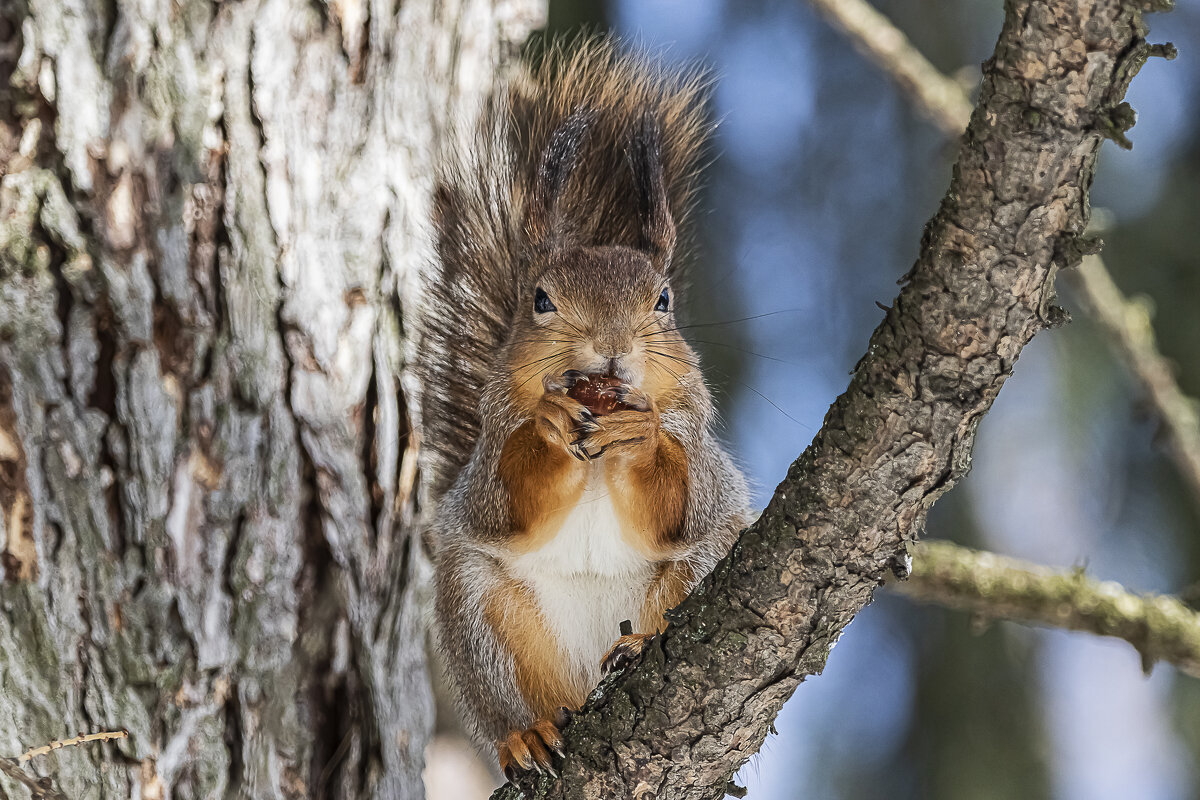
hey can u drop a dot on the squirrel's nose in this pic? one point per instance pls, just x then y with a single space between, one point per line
612 358
613 349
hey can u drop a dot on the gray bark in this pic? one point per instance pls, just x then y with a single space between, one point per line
210 238
703 697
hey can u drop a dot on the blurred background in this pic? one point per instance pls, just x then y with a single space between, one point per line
823 178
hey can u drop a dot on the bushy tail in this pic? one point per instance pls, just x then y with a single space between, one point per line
481 199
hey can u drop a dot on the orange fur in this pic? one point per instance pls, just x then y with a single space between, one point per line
543 484
532 361
670 359
539 666
649 491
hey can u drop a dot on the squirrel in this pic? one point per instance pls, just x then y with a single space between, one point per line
556 281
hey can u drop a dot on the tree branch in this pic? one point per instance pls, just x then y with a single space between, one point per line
1125 322
705 693
1127 325
941 99
1160 628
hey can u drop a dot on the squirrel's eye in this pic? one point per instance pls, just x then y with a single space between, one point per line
664 301
541 302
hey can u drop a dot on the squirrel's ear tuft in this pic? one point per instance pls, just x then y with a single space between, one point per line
545 224
654 209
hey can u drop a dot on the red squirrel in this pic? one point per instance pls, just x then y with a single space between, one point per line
556 282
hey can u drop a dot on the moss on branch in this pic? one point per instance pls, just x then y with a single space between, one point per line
1160 628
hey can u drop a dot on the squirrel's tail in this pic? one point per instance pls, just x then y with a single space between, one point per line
481 198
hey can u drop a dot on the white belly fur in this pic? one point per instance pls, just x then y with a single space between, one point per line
587 579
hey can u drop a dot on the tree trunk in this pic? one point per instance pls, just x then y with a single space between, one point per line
210 240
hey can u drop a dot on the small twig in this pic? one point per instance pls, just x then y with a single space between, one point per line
1161 628
102 736
39 789
1124 321
1127 324
43 789
942 99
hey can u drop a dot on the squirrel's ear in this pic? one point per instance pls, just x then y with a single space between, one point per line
654 210
544 222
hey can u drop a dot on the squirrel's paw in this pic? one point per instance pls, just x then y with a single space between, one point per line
625 651
630 395
558 384
530 749
618 430
561 419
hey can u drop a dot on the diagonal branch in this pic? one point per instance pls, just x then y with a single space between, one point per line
705 693
1124 321
1160 628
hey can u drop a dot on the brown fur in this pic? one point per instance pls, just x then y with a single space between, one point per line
655 493
543 682
672 583
543 482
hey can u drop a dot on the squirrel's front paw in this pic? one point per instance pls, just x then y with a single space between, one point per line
530 749
619 430
625 651
562 420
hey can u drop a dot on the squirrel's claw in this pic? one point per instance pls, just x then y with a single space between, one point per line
562 718
631 396
563 382
583 431
624 652
580 451
621 430
586 426
529 750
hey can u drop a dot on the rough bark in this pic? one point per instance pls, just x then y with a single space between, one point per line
1125 322
210 226
703 698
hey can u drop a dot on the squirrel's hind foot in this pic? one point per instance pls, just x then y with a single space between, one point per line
624 652
530 749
